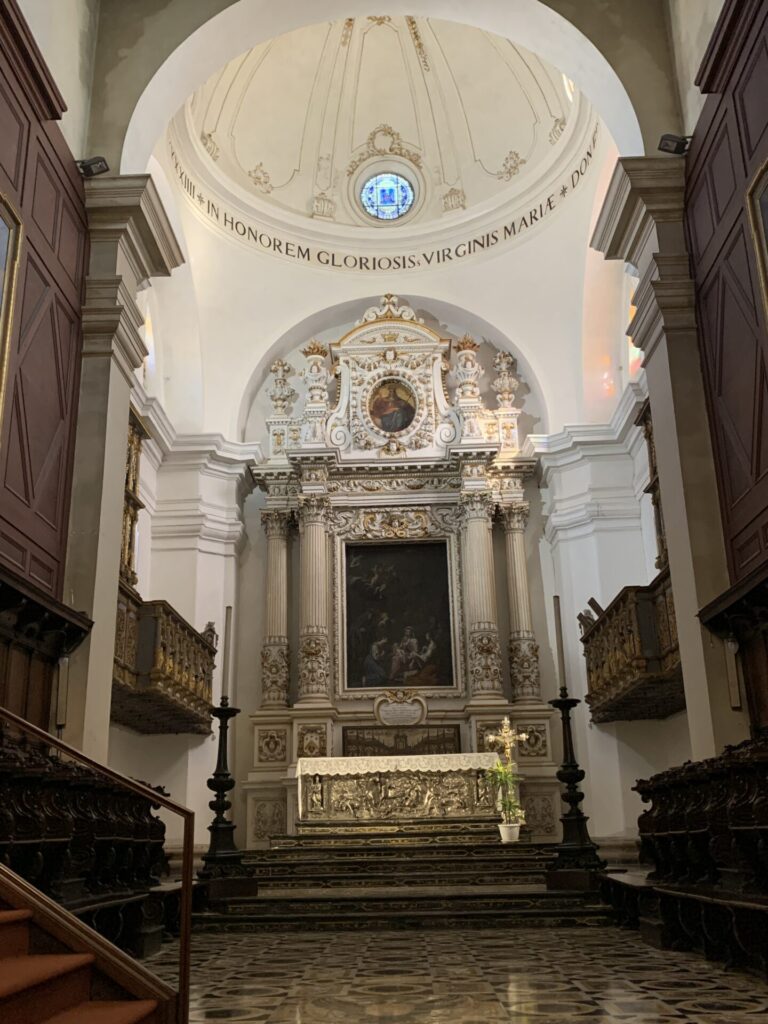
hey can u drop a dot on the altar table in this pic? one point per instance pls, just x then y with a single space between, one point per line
367 789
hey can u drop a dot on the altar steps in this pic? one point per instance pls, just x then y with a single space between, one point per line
408 908
355 880
474 868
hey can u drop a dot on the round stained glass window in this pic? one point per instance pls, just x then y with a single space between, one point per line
387 196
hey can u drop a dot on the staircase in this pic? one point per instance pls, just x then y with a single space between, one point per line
427 878
54 970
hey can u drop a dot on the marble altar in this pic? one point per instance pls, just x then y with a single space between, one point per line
354 789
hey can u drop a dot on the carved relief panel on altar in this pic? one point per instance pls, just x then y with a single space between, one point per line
398 615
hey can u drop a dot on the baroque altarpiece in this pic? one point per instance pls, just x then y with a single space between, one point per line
392 491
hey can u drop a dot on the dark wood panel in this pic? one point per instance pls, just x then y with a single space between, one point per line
39 176
751 101
729 145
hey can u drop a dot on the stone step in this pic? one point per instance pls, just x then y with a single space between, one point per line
483 910
371 861
328 879
410 889
365 840
408 850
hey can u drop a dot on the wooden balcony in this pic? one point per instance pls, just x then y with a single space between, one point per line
633 660
163 669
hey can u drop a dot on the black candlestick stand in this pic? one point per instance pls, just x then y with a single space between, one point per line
576 860
223 856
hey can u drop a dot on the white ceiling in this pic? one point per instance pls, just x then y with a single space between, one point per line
296 123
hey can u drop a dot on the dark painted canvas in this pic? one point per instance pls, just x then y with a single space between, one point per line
398 615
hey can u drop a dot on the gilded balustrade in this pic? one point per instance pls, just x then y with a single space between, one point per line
163 668
633 660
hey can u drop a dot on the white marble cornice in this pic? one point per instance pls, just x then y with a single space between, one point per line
574 442
582 515
183 523
154 419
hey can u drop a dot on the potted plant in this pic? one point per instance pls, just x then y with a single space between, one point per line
505 779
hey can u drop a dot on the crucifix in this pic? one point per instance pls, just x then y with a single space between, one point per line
508 737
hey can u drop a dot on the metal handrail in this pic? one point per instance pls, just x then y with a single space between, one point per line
185 909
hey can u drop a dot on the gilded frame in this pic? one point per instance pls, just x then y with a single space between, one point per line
8 279
758 221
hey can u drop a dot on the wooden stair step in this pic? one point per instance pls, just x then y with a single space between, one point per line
14 932
105 1013
10 916
35 987
22 972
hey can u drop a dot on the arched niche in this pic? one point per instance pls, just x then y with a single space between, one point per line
333 322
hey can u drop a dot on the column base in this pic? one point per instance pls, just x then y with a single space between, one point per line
314 700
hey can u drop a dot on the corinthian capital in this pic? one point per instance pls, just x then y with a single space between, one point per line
275 522
313 510
515 516
476 505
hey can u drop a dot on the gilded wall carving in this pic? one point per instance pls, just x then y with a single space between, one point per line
275 670
312 741
484 661
524 667
541 816
269 819
535 743
272 745
314 664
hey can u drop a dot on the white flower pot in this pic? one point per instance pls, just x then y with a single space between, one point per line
509 833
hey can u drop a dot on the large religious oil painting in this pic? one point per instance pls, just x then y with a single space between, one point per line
398 615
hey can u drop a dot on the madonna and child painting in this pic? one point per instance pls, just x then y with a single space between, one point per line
398 615
392 406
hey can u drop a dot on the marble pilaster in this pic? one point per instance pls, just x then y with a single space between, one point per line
480 598
275 654
523 649
314 640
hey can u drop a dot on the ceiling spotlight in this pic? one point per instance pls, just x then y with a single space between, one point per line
675 144
92 166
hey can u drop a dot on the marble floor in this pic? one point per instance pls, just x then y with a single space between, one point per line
545 976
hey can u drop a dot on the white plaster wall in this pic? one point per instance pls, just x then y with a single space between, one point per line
66 31
691 23
158 761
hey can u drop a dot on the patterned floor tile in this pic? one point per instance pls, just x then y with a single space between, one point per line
548 976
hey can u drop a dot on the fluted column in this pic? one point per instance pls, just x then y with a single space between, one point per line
314 648
480 597
523 649
275 654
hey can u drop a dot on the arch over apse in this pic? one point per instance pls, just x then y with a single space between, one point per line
137 102
342 313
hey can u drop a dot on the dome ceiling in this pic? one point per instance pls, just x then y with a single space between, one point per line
470 120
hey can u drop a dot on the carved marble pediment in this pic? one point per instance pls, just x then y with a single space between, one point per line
392 399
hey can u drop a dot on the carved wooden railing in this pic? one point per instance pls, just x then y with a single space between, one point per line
633 659
163 668
86 836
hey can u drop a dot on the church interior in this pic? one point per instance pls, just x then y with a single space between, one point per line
383 511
